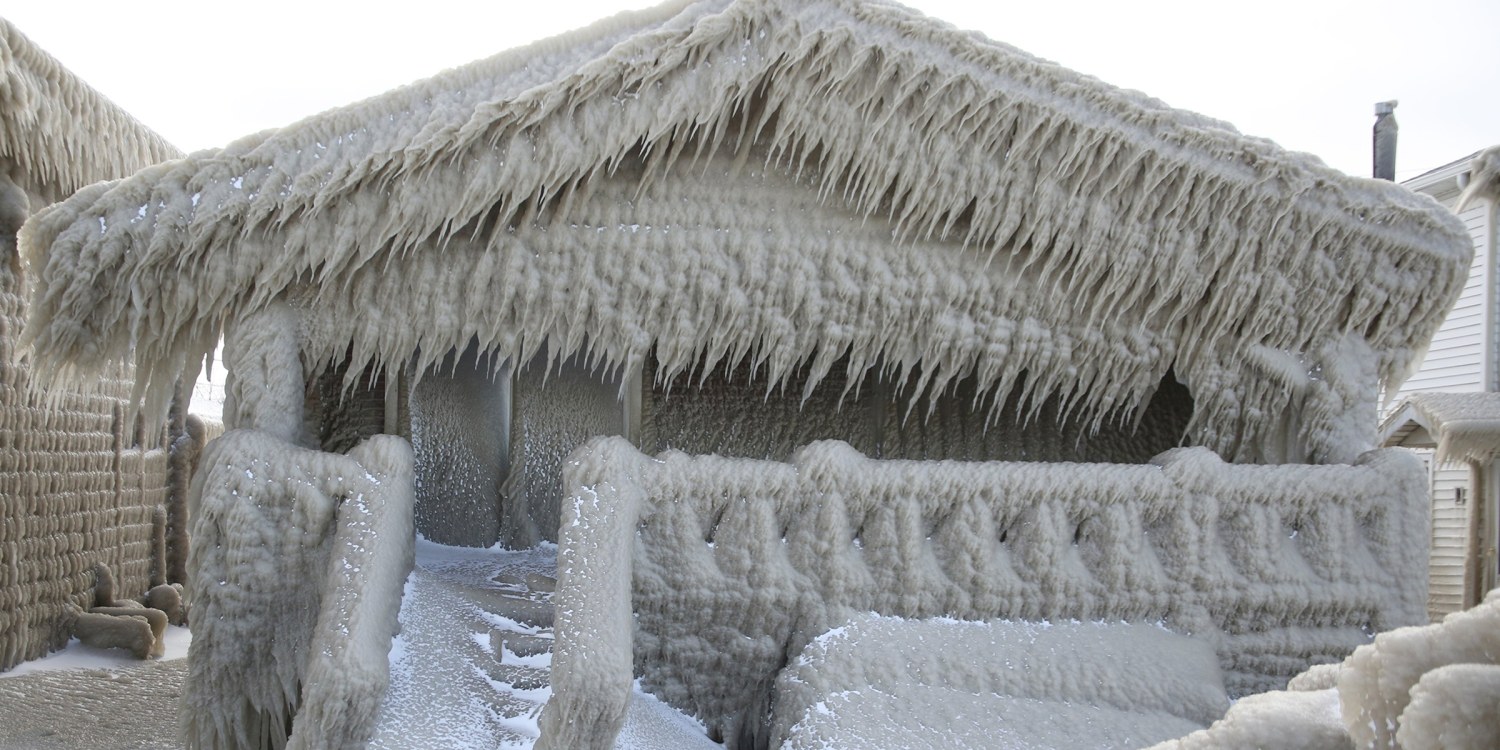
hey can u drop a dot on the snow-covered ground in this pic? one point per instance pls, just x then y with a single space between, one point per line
470 667
78 656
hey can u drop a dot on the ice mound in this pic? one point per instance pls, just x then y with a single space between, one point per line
886 682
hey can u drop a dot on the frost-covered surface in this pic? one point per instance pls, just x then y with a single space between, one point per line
1435 686
736 412
1456 707
1376 684
712 181
953 719
460 432
56 132
297 558
557 406
735 564
882 682
470 669
1276 720
75 655
451 685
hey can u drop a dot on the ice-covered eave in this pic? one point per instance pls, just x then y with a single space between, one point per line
1107 197
1463 427
57 132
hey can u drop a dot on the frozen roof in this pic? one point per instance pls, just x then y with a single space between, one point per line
1109 238
59 133
1462 426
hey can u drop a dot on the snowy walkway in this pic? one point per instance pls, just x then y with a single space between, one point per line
471 666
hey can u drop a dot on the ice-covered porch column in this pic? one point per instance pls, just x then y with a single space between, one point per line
266 388
298 557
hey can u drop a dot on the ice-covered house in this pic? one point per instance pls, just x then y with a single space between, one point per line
742 228
79 477
1453 397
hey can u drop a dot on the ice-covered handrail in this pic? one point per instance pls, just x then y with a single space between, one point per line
736 564
299 558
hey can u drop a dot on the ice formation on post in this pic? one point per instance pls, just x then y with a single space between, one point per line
313 547
735 564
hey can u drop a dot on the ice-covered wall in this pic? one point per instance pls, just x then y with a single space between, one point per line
735 564
735 413
460 425
298 561
556 407
76 488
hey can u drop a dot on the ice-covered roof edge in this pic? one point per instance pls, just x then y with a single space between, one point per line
59 133
1465 426
997 150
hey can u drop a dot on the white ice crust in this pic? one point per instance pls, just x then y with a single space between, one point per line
883 682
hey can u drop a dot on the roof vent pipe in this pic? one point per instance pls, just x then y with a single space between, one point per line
1385 140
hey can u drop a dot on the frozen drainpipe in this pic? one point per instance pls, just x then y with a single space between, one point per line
1385 140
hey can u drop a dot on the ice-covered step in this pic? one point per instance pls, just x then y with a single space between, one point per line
522 645
471 666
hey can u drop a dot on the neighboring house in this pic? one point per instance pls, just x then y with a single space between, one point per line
81 481
1458 383
740 228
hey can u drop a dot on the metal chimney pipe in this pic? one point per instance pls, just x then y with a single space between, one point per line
1385 140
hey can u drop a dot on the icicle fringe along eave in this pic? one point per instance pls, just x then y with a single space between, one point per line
1168 228
59 133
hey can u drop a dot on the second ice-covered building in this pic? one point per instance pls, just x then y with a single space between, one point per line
738 228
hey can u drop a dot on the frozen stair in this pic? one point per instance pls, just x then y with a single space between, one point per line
471 665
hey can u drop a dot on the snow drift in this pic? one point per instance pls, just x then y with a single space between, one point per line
881 682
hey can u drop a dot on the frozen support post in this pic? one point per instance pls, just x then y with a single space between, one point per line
266 388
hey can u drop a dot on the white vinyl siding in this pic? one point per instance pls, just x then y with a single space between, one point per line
1456 362
1445 592
1455 358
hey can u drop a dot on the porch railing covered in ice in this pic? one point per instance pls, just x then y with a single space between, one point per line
705 575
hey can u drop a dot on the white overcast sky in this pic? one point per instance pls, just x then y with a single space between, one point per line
1305 74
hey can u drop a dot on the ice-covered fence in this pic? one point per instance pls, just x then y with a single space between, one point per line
705 575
